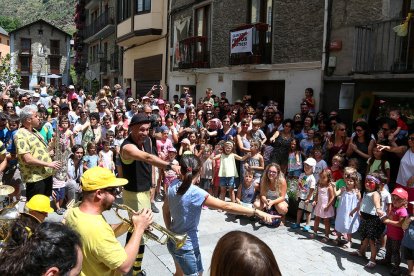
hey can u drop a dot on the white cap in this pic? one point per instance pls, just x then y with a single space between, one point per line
71 87
310 161
154 107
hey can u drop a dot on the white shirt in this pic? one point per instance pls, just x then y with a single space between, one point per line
406 168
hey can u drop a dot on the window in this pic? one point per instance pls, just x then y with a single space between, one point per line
260 11
54 65
202 21
0 39
143 6
54 47
24 63
26 45
123 10
8 42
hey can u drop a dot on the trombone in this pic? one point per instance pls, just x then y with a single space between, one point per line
178 240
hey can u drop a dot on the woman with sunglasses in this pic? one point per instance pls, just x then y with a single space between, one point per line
280 141
227 132
81 125
338 142
120 118
8 108
361 145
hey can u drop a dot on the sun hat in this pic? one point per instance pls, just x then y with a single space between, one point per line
40 203
172 149
99 178
185 141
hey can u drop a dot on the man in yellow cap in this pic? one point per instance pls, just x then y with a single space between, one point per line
39 207
103 254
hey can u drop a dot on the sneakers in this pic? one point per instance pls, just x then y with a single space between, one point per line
306 228
60 211
154 208
158 198
295 226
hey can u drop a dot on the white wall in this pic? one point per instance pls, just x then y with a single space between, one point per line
296 81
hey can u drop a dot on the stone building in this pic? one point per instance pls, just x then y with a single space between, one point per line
369 67
39 50
4 43
257 47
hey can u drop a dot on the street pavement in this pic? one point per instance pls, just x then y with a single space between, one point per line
295 252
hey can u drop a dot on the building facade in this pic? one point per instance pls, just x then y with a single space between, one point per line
256 47
370 67
97 56
4 43
142 34
39 50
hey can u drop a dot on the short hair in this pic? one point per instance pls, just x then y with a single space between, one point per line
339 158
209 90
110 133
257 122
27 112
248 171
241 253
37 248
94 115
106 142
14 119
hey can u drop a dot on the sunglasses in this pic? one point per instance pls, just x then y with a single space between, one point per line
272 172
411 138
342 129
114 191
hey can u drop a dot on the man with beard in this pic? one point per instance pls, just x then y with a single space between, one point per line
102 252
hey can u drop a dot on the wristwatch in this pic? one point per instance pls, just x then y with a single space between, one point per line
169 166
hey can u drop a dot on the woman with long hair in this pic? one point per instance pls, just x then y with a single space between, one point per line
182 210
75 171
81 124
120 118
338 142
227 132
360 147
280 141
273 190
190 124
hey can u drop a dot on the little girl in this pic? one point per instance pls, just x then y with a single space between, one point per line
256 162
323 204
378 162
218 149
228 169
306 186
310 101
395 233
91 159
347 222
206 175
106 156
119 139
170 175
371 213
294 168
337 167
321 164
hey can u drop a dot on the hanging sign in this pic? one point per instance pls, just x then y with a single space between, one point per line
241 41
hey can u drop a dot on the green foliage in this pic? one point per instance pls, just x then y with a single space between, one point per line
6 74
59 13
72 74
9 24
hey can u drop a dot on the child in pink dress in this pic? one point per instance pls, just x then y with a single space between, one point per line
323 204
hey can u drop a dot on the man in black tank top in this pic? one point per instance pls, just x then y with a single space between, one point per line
137 159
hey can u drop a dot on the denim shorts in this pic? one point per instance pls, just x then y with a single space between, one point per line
189 260
59 193
227 182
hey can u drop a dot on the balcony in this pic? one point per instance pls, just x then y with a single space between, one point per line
194 53
378 49
25 51
107 18
261 46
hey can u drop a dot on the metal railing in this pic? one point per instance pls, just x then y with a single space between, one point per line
194 52
378 49
261 46
103 20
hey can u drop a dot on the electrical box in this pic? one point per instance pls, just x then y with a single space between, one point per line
332 62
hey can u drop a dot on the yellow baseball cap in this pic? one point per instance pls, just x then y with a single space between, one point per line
99 178
40 203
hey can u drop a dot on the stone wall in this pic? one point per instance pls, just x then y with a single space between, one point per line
297 30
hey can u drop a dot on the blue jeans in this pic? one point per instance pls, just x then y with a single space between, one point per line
227 182
189 260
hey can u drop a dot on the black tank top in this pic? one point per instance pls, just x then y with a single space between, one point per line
138 173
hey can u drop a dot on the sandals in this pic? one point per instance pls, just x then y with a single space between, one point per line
381 253
357 253
370 264
325 239
347 245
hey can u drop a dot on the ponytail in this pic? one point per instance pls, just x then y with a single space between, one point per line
190 166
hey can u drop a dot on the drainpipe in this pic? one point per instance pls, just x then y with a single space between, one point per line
327 21
167 47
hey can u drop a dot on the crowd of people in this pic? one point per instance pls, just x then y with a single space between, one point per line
193 153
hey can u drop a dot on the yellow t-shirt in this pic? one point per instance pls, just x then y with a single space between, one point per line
102 253
27 142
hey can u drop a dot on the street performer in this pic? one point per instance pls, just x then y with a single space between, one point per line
102 253
137 156
36 165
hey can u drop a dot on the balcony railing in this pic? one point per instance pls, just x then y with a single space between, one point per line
261 46
378 49
105 19
25 51
194 53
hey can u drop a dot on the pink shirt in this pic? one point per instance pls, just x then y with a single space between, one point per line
162 147
394 232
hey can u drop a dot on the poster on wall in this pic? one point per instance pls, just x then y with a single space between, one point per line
241 41
346 96
181 31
